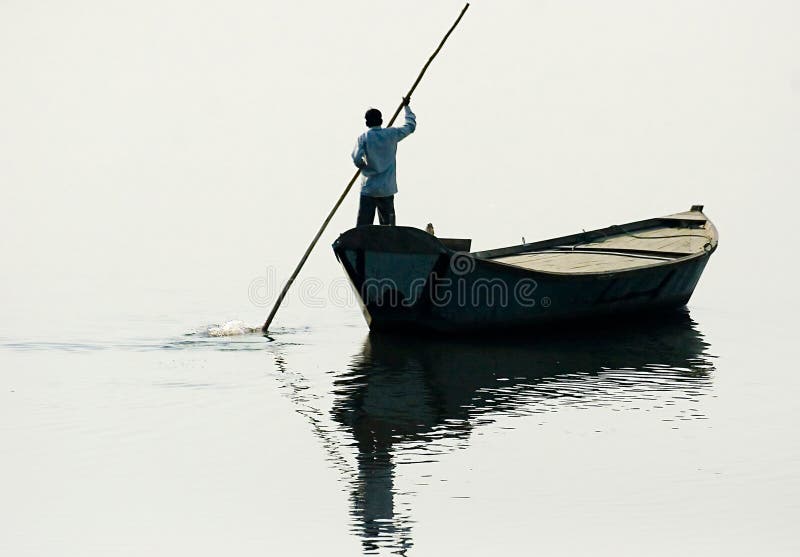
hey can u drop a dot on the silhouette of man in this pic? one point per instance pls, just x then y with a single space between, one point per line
374 154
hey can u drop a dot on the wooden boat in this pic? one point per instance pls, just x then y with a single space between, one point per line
407 279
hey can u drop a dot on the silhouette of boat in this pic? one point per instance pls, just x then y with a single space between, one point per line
407 279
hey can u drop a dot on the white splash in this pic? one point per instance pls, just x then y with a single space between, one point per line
229 329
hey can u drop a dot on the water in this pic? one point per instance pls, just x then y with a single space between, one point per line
651 437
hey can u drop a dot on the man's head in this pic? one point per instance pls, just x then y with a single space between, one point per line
373 117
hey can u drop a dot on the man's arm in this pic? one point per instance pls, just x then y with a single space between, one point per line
410 125
359 154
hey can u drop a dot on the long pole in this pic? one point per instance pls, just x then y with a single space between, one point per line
352 181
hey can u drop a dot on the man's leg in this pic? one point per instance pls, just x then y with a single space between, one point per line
386 210
366 210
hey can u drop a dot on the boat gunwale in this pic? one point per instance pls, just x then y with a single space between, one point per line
484 257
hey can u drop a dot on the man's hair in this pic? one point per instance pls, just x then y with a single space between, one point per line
373 117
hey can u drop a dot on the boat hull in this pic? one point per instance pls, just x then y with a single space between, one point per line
407 279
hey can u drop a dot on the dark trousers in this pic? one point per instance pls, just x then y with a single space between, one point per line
367 206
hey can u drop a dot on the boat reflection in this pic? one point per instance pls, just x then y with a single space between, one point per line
405 398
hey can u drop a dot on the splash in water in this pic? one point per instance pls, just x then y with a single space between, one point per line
231 328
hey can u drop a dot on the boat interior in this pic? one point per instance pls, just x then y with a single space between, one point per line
616 248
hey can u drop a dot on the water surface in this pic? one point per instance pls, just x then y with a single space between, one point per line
592 437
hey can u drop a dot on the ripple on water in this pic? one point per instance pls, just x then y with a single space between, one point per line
234 335
225 336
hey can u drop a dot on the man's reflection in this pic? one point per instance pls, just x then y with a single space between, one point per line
408 390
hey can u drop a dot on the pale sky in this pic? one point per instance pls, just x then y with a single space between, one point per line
166 141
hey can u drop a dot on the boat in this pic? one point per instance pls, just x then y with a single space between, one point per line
409 280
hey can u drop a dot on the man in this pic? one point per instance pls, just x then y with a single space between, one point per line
375 155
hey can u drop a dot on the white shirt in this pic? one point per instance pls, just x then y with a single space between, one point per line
375 154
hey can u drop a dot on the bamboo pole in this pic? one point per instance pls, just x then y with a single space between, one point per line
352 181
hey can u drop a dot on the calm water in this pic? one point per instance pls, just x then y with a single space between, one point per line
674 434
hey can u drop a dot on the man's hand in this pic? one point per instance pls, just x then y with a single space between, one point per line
406 101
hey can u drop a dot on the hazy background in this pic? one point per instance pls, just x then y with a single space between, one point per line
189 145
158 157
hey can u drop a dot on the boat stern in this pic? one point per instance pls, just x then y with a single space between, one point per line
391 269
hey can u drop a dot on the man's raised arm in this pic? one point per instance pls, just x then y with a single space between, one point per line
411 122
